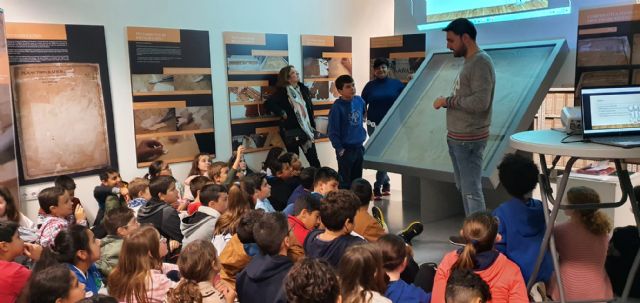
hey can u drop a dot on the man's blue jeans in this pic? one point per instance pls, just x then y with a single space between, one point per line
467 171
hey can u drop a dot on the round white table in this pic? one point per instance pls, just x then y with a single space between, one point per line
555 143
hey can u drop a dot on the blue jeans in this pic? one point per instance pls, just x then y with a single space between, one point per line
382 178
467 171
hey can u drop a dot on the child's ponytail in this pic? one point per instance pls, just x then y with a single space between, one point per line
479 231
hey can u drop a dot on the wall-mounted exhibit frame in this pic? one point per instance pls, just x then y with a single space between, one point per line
412 136
608 47
60 81
253 62
172 94
324 58
405 53
8 164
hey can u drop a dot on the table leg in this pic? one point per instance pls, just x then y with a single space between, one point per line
627 187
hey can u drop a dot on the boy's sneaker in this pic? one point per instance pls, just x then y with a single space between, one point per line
386 190
457 240
376 212
411 231
377 195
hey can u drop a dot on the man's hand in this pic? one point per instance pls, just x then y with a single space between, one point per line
440 102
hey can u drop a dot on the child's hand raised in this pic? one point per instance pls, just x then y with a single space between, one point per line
32 251
79 213
227 292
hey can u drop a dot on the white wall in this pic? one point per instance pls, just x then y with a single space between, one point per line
564 26
359 19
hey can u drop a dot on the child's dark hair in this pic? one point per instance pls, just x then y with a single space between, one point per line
136 186
380 61
325 174
211 193
48 197
50 284
362 188
215 170
518 175
464 285
7 230
159 185
594 220
342 80
361 272
272 156
104 175
11 210
65 247
251 183
307 202
195 264
286 158
460 27
394 251
312 281
246 224
154 169
99 299
65 182
307 176
277 166
270 231
479 231
116 218
338 207
197 183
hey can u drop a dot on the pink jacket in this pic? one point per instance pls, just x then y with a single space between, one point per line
157 287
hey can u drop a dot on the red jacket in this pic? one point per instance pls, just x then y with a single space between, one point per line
503 276
299 230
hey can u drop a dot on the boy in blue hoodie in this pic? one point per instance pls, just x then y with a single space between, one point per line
522 224
346 131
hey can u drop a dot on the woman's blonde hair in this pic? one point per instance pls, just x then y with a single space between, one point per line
197 263
361 272
594 220
140 254
479 231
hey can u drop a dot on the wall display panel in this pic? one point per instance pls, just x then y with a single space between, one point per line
405 53
172 94
412 138
8 164
608 47
60 82
324 58
253 62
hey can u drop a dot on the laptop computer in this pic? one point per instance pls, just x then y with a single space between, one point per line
611 115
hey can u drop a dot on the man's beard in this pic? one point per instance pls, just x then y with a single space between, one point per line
460 53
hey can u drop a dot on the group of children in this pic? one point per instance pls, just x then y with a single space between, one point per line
287 234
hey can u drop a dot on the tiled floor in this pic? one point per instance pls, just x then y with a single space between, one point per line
433 243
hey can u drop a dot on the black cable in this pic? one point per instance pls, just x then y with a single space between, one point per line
569 136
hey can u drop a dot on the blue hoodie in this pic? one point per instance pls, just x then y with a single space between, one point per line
380 94
401 292
522 227
346 118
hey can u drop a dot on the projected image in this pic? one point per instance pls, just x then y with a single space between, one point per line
439 13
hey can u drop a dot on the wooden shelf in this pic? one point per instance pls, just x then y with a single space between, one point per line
254 120
175 133
323 102
251 72
319 79
259 149
174 93
246 103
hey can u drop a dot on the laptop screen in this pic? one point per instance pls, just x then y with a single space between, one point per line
611 111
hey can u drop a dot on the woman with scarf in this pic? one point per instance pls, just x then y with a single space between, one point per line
292 103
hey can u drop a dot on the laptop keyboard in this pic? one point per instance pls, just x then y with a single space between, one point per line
619 140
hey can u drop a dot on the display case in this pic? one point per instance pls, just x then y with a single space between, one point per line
411 140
